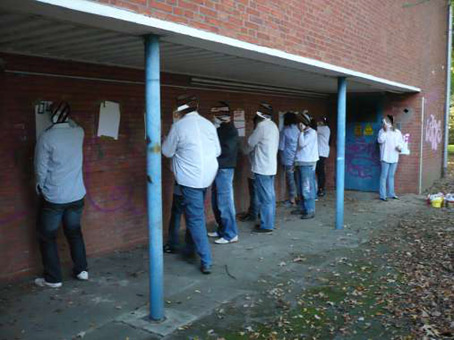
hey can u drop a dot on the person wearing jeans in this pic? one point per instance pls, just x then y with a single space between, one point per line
287 147
264 142
222 190
50 217
60 185
193 145
391 144
307 189
306 159
224 207
267 198
388 171
196 234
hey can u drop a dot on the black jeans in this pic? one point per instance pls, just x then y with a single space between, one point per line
320 171
49 218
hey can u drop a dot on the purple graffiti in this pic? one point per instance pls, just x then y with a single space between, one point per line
116 197
362 159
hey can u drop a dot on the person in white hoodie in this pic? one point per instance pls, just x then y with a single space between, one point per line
194 147
305 161
264 142
391 144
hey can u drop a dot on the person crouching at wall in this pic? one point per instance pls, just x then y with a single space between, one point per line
264 142
306 160
60 185
222 190
287 147
193 145
391 144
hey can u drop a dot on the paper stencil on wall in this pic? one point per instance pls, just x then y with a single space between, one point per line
239 122
109 119
42 117
406 149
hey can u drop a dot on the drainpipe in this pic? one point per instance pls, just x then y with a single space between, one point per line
421 144
154 191
448 91
340 162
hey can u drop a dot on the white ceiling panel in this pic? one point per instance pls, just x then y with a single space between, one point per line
45 36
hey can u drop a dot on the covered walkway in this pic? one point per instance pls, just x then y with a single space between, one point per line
90 32
111 305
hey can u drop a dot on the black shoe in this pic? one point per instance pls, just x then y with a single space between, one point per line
384 199
247 218
205 269
296 212
395 197
169 249
307 216
321 193
257 229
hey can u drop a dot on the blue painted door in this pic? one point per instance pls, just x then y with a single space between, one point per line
362 154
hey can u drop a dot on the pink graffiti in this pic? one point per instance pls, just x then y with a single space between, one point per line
433 132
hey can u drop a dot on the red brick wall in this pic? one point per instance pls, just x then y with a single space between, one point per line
385 39
114 171
399 40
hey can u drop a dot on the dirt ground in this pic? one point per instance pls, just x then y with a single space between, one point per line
397 285
387 275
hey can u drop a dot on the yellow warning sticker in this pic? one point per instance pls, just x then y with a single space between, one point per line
368 131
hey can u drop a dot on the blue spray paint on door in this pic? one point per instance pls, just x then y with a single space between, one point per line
362 154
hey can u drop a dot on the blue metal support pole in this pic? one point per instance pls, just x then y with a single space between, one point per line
154 191
340 163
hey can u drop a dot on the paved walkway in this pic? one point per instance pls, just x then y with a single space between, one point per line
113 303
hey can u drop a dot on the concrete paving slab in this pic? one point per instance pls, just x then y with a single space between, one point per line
174 319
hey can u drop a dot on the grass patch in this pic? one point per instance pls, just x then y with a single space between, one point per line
451 149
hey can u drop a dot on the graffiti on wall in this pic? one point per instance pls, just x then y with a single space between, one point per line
362 159
433 132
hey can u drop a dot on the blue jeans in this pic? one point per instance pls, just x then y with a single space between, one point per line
266 197
388 170
196 231
175 221
223 204
291 184
50 216
307 188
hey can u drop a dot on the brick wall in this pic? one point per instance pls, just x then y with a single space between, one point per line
384 38
389 40
399 40
114 171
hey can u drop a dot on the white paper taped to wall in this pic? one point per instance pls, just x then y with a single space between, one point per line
109 119
42 117
406 149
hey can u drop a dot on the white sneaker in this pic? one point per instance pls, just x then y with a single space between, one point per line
214 234
224 241
40 282
83 276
